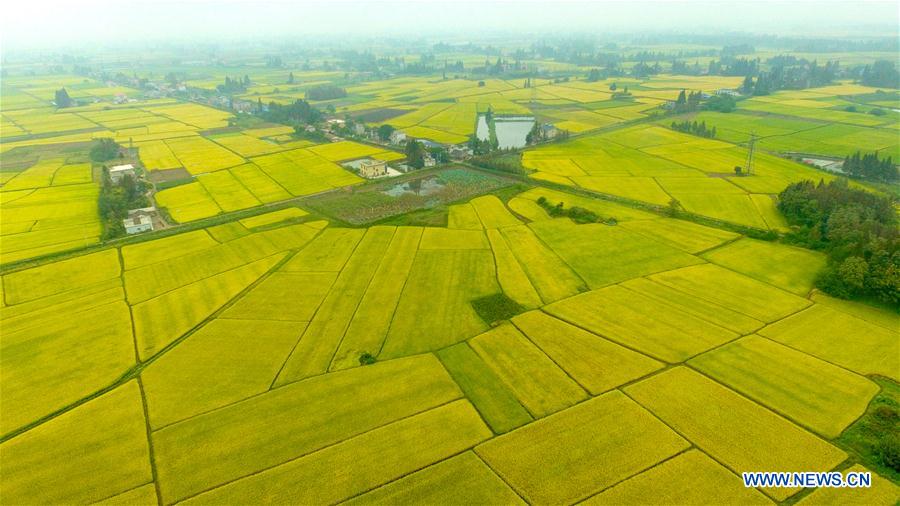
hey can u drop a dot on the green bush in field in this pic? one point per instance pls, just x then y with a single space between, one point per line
366 359
496 307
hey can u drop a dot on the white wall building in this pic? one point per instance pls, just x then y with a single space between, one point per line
138 223
117 172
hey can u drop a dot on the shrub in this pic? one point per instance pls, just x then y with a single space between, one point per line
889 450
104 150
367 359
575 213
496 307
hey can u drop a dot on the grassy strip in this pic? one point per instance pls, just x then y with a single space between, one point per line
874 439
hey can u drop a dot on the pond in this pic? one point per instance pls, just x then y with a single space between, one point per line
511 130
427 186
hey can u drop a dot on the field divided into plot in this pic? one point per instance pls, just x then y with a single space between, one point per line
268 178
732 429
652 352
689 478
653 164
818 395
577 441
48 207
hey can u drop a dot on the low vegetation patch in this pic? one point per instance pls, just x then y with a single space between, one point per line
496 307
875 437
575 213
500 161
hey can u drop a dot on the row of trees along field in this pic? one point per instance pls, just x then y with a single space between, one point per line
856 228
238 85
870 167
325 92
695 128
298 113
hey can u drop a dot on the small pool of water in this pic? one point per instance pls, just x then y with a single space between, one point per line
427 186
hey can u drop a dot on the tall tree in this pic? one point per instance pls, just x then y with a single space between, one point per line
63 99
415 154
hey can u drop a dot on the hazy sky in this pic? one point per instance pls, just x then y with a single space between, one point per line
50 23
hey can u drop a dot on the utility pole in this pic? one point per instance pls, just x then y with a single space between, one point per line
750 148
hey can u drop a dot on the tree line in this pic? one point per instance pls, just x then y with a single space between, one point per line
300 112
881 74
325 92
694 128
238 85
687 102
857 229
870 167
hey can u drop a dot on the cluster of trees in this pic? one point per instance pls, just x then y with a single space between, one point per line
325 92
789 73
684 68
882 74
731 66
298 113
641 69
856 228
115 201
720 103
870 167
457 66
385 131
63 99
238 85
575 213
104 150
499 66
482 146
415 154
687 102
694 128
502 161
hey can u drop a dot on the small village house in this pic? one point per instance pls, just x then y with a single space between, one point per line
137 224
139 220
459 152
117 172
549 131
372 168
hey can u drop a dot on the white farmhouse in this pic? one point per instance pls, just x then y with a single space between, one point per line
117 172
138 223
